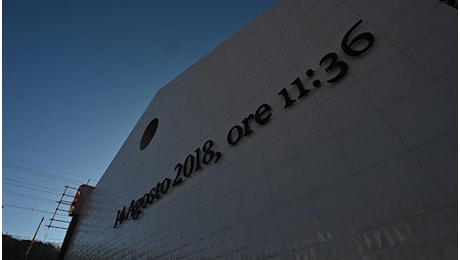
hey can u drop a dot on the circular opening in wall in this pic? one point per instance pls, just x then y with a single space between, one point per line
149 133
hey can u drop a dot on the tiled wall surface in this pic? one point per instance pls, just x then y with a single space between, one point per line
364 168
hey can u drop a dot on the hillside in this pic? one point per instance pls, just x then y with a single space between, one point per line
14 249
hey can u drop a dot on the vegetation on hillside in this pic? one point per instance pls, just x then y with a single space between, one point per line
14 249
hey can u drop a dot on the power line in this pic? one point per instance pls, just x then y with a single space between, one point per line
40 173
45 167
30 184
22 167
30 209
29 188
18 194
54 239
56 155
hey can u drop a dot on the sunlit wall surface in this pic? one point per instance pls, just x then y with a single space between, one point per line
306 135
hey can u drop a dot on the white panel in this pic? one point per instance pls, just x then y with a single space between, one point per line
342 208
323 164
418 22
288 176
299 223
399 188
424 115
439 55
436 158
227 179
256 197
449 82
369 142
348 108
231 209
251 166
277 149
309 131
404 79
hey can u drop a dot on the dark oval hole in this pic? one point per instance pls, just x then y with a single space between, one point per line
149 133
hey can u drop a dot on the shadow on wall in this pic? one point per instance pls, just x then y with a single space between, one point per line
452 3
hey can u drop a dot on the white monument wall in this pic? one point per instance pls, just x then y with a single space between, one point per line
364 167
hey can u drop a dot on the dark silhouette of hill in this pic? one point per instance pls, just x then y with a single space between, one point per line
14 249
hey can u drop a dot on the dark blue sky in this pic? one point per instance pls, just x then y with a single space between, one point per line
77 75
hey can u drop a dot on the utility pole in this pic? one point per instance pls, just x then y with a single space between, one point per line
32 242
